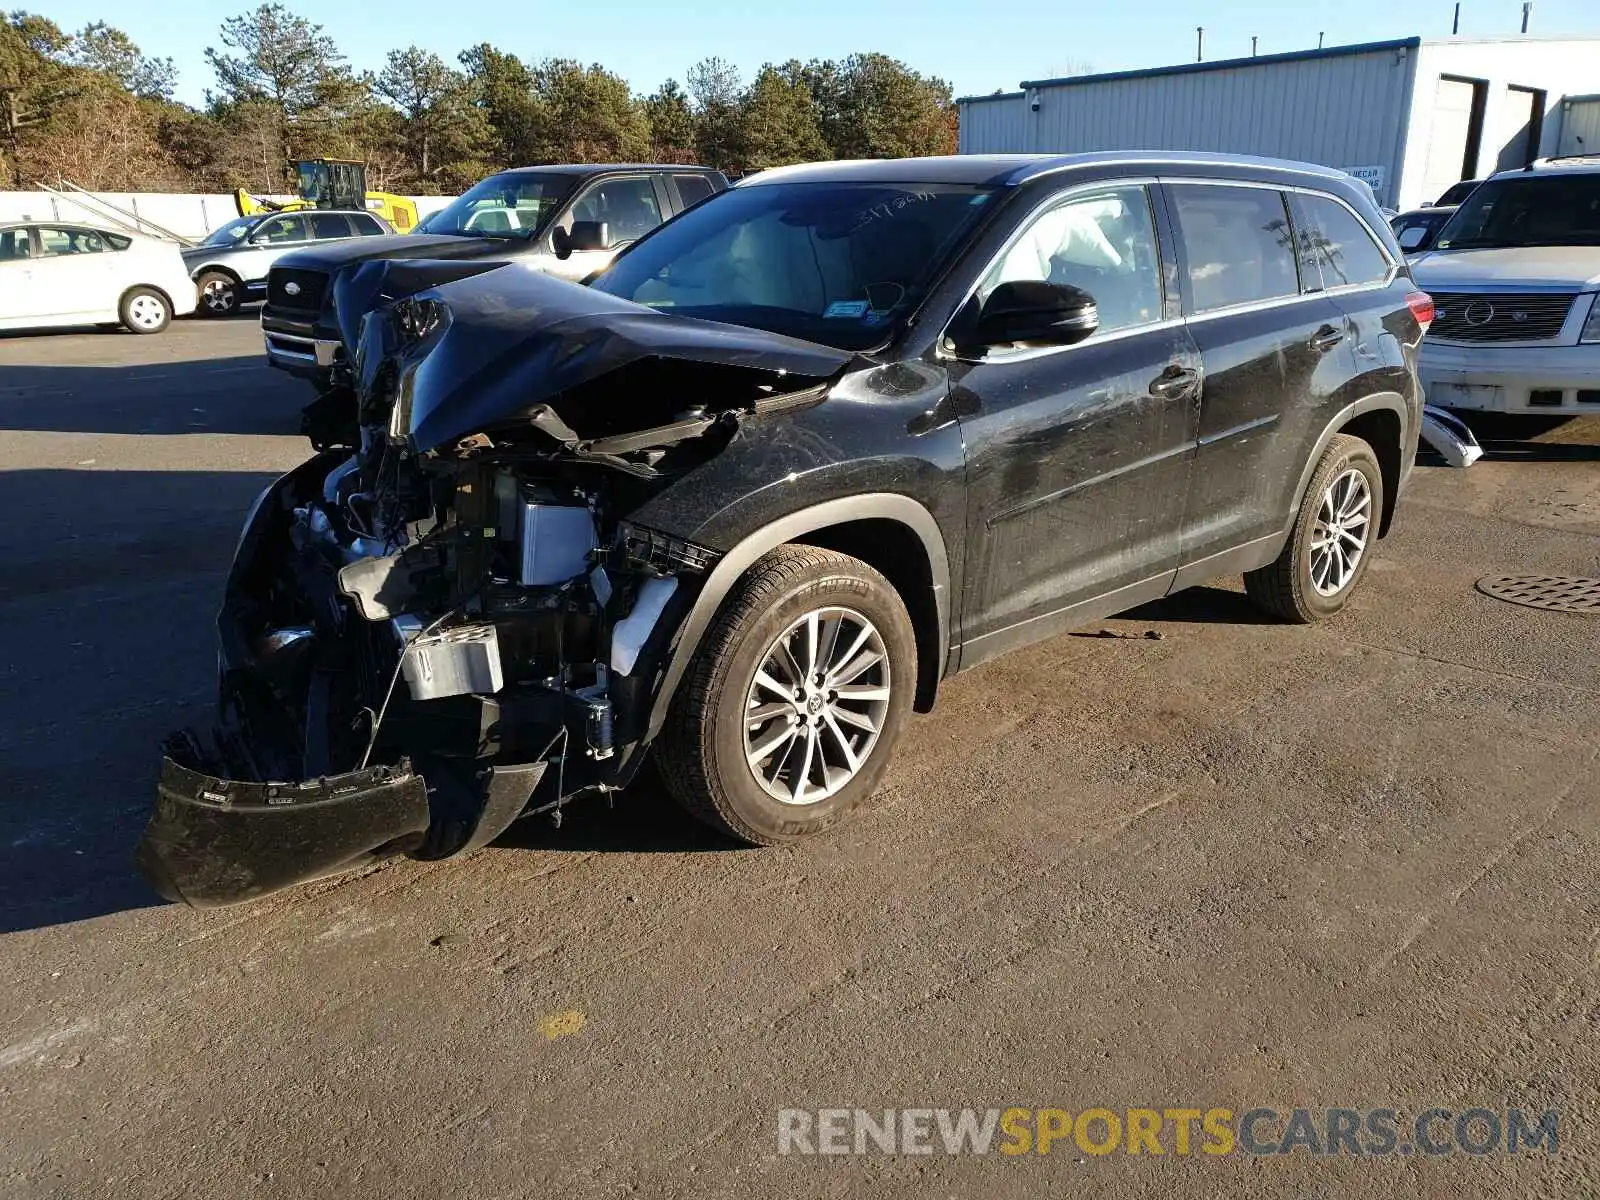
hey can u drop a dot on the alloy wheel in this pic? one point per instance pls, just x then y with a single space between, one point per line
1339 537
816 705
218 295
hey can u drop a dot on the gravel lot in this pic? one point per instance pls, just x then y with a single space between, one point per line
1242 865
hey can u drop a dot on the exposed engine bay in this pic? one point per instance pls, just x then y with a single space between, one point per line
446 618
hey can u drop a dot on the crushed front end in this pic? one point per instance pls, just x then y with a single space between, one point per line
451 622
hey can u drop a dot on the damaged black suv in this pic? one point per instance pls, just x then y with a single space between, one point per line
795 457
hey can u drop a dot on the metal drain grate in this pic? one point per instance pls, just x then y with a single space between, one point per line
1558 593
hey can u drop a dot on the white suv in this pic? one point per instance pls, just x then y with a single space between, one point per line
1515 281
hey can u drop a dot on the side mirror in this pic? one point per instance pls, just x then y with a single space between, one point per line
259 239
1031 310
590 235
561 243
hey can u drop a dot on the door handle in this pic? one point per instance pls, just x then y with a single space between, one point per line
1175 383
1326 338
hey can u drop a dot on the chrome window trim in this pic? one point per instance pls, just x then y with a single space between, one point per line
945 347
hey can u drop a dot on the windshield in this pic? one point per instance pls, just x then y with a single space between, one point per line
501 206
1549 210
227 235
836 263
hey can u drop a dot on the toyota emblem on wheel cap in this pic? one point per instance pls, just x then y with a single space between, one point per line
1480 312
291 288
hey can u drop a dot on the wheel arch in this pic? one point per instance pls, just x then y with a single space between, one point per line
892 533
1380 419
219 269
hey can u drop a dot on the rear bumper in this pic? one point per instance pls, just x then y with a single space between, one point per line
1522 379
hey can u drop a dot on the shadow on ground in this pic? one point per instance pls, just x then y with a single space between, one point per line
108 603
213 395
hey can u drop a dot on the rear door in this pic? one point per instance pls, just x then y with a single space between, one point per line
1273 357
1367 284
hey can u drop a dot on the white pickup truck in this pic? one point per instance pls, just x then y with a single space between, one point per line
1515 281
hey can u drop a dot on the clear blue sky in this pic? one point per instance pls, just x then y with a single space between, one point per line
978 47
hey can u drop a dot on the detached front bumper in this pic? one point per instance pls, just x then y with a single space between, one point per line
236 813
221 841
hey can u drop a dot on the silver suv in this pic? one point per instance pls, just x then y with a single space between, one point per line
230 267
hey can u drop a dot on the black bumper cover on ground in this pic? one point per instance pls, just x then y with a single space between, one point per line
220 841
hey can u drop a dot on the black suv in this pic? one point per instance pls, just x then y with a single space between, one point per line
569 221
797 456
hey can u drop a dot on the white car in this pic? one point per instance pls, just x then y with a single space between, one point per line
1515 280
53 273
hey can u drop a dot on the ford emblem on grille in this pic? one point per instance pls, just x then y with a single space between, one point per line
291 288
1480 312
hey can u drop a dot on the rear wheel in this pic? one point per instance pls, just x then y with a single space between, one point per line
145 310
791 709
1333 538
218 294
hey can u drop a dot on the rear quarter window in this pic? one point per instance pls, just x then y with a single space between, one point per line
693 188
1237 244
1335 245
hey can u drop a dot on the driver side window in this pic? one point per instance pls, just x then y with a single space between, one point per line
1103 242
626 207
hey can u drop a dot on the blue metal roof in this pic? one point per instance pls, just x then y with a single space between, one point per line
1221 64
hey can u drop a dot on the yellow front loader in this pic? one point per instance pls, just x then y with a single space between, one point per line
334 183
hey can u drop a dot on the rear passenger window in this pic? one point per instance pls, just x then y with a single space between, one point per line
1236 245
692 188
1334 242
365 224
329 225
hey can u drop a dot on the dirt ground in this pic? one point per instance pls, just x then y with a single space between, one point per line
1244 865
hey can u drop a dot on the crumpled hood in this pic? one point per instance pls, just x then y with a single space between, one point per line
484 349
1577 267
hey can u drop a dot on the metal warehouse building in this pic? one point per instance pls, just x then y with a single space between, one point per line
1411 117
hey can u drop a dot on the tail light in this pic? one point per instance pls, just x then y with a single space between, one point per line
1421 306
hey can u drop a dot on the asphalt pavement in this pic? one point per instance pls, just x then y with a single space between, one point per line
1241 865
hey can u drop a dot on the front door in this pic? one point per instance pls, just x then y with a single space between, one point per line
17 297
1078 456
604 217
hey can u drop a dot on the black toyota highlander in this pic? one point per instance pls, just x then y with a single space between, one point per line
793 459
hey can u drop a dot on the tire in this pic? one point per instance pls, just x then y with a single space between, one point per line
1307 582
145 310
703 753
216 294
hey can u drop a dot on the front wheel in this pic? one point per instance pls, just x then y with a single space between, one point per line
218 294
1333 538
145 310
790 711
